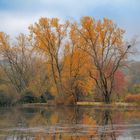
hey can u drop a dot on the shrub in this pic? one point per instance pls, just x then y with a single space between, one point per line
48 96
4 99
28 97
133 98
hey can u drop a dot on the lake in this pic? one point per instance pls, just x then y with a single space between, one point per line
69 123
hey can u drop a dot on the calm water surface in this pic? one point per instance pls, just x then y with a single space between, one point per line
69 123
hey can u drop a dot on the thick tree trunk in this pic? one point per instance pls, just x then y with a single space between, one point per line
107 98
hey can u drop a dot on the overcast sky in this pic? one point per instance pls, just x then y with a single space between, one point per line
17 15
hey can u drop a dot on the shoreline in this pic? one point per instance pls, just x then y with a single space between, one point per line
100 105
92 104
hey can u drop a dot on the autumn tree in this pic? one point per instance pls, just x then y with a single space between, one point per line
17 61
66 58
50 37
10 62
39 83
76 80
103 42
67 64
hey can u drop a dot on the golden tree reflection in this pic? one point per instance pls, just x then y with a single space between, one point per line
66 123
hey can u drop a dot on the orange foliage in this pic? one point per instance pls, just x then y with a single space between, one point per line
49 37
75 73
133 98
67 65
77 56
103 42
80 55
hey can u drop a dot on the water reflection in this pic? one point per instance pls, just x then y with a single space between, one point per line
107 130
73 123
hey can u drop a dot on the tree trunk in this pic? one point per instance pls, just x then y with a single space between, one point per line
107 98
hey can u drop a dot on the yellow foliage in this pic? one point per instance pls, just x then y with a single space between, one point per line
76 70
72 52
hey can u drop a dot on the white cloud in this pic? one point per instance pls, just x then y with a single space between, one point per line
15 23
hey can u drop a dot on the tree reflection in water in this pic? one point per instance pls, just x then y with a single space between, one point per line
106 130
64 124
